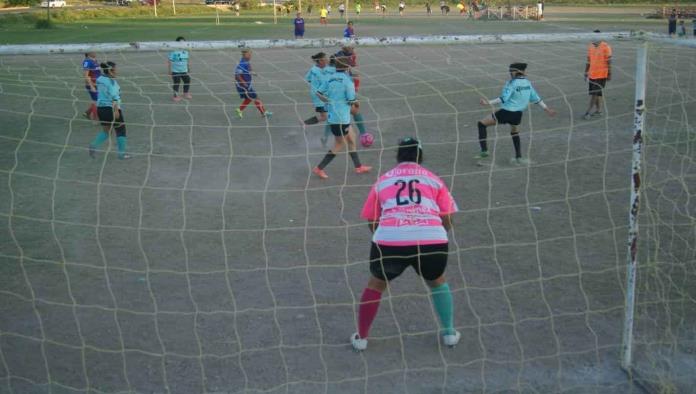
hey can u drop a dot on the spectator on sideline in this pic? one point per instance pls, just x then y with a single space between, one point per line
672 23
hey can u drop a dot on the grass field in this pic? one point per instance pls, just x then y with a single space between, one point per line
214 262
202 27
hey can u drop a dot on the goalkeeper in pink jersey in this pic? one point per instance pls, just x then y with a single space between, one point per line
409 212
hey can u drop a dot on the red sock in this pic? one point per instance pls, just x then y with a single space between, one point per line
244 104
93 110
356 83
369 305
259 106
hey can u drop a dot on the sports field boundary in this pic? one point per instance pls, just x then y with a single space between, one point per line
42 49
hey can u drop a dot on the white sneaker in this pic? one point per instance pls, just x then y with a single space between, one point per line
360 344
450 340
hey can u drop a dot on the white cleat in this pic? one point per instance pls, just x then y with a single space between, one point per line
358 343
451 340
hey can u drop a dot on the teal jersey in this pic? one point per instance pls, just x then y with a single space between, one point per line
108 92
340 91
315 77
329 70
517 94
179 60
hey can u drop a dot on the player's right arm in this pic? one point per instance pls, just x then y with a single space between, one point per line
169 65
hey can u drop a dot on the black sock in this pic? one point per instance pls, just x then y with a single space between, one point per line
312 120
516 143
356 159
326 160
482 137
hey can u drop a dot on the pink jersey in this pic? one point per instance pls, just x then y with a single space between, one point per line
409 201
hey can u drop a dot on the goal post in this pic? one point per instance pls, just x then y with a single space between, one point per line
638 127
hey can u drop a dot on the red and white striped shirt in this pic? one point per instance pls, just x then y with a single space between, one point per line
409 202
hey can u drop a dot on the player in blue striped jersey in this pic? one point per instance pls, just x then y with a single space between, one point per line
338 92
517 93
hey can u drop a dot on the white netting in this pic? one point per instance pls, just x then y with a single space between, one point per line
213 261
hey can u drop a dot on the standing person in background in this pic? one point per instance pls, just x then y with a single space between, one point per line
309 9
597 73
349 32
402 6
428 10
236 9
90 66
323 14
672 23
358 8
178 70
299 26
384 8
540 10
341 9
328 9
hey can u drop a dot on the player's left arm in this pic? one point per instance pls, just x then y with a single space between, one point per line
608 55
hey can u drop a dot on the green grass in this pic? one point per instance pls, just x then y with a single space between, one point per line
198 23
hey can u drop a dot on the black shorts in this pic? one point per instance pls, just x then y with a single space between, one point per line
388 262
106 118
339 130
503 116
320 109
596 86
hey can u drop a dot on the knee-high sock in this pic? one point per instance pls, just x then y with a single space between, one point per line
369 305
327 131
360 122
121 143
99 139
482 137
442 300
356 159
326 160
517 144
259 106
244 104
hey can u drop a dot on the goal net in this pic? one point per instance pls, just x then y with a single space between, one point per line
214 261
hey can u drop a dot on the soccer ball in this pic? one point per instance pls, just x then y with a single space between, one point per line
367 140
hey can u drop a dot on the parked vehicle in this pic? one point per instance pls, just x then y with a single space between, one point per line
53 4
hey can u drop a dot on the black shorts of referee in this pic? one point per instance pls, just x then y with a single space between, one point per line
388 262
596 86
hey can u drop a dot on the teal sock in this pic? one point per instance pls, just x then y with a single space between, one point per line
442 300
327 131
360 122
99 139
121 142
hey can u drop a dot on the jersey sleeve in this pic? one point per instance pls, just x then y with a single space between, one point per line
372 209
309 77
607 52
86 65
506 93
533 95
445 201
171 56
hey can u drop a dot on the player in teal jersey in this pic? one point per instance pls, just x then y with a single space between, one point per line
338 92
109 111
178 67
517 93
